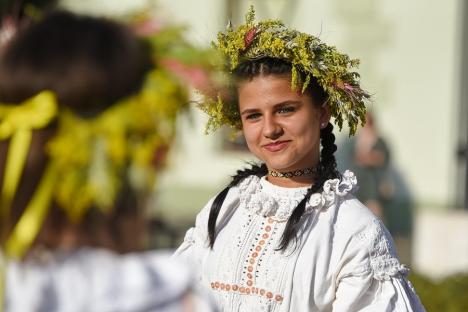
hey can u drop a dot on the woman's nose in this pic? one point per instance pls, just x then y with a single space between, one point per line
271 128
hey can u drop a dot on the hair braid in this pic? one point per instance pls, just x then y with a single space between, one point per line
327 157
258 170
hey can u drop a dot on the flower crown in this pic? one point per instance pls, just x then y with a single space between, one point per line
307 55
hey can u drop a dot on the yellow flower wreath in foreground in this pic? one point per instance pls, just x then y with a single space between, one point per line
89 158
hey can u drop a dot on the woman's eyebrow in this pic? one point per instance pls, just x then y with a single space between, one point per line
249 111
280 104
288 102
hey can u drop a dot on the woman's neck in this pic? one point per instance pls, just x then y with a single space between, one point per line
301 181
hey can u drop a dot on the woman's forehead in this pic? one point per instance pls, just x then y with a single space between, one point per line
268 90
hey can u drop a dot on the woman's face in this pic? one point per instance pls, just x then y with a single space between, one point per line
281 126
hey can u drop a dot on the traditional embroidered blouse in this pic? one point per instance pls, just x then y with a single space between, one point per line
343 260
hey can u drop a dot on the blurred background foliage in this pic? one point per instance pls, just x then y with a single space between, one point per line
447 295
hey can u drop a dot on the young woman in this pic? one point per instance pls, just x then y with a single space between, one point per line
288 234
85 113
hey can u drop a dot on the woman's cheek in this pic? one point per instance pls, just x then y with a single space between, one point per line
249 132
251 136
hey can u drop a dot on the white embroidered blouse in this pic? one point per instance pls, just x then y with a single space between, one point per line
344 260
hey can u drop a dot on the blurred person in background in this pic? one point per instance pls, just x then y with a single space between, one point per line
87 113
371 159
381 188
288 234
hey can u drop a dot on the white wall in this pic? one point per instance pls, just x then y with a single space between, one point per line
442 247
420 114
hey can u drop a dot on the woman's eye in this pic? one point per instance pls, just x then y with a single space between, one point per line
253 116
287 109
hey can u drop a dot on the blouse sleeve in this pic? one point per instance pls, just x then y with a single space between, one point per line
196 244
371 277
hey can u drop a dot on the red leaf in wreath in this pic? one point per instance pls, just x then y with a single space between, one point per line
250 36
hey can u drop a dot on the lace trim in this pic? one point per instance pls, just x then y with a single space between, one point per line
385 269
383 261
263 198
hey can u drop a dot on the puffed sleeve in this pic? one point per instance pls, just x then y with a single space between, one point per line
371 277
196 244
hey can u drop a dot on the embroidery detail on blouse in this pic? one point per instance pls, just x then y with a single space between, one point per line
246 290
259 196
256 253
383 261
251 270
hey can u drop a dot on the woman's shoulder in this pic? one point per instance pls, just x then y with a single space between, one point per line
356 221
230 201
350 214
353 216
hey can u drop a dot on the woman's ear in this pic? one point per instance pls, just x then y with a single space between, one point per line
325 114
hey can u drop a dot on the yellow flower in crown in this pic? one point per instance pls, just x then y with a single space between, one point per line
307 54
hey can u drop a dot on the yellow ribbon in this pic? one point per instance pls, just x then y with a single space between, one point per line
27 228
17 123
3 266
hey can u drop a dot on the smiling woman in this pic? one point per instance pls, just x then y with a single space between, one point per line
288 234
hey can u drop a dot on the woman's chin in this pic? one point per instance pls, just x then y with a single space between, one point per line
279 166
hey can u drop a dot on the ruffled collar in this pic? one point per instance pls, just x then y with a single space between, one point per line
263 198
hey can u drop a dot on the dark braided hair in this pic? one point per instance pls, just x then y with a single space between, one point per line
258 170
326 168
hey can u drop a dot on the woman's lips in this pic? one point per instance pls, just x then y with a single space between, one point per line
276 146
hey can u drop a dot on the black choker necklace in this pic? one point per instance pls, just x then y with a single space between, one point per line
290 174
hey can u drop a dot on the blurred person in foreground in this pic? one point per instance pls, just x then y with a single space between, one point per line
87 113
288 234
